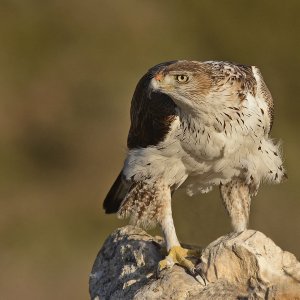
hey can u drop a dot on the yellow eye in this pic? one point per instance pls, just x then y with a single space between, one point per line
182 78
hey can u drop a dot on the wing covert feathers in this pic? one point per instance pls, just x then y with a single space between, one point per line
151 114
266 95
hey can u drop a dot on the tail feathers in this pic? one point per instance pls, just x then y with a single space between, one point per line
116 194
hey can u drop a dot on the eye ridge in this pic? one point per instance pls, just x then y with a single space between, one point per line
182 78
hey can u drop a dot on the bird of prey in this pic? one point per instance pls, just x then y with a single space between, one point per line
195 125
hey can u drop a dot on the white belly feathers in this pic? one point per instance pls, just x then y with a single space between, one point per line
199 157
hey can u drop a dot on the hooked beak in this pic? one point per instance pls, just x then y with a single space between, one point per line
156 81
158 77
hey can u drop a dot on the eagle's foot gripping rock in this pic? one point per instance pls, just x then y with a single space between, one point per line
180 256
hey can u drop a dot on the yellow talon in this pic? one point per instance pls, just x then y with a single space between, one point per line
178 255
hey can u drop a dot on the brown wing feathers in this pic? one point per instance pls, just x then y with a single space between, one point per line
151 116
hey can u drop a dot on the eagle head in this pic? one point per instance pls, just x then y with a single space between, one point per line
187 83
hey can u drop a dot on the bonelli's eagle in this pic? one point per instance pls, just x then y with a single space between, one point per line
195 125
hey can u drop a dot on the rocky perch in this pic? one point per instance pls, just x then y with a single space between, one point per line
246 265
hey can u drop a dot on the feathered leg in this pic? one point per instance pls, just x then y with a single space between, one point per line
148 203
237 200
176 254
165 220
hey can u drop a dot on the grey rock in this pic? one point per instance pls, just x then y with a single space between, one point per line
246 265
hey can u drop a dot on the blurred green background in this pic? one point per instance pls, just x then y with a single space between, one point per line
67 73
